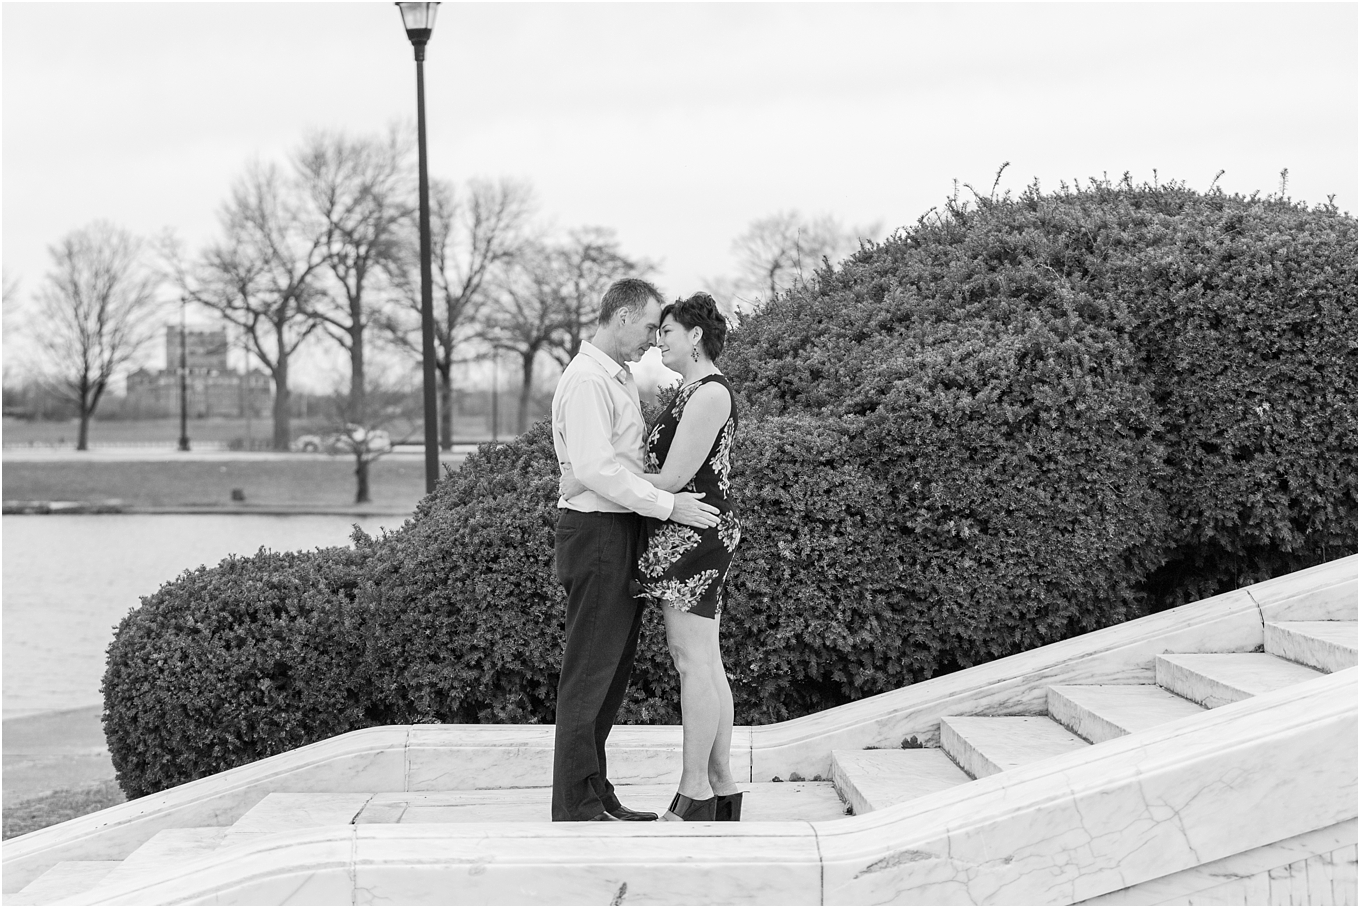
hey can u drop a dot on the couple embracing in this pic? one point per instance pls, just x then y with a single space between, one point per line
644 517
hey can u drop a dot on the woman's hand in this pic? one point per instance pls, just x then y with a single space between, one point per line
569 486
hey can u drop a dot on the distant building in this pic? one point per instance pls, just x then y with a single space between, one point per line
214 389
205 350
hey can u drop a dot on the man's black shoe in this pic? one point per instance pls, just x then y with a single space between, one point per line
623 813
604 816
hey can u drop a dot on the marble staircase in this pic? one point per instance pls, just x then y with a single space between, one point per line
1082 715
1203 755
288 812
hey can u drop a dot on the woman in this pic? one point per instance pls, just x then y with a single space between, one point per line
690 449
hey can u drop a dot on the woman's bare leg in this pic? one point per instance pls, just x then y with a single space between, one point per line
720 757
693 642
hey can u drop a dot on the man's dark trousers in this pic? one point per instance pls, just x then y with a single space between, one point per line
596 564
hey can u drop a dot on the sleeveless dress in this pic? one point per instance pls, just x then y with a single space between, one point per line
680 565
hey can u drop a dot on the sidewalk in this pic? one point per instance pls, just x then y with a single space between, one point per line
116 506
41 454
51 751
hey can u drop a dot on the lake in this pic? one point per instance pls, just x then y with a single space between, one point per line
69 580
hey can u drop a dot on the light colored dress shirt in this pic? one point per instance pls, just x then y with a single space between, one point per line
598 429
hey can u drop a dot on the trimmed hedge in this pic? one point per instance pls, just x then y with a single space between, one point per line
1021 421
1239 314
226 665
463 598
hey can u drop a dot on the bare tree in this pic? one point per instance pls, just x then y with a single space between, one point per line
586 264
779 251
10 295
261 276
529 312
360 191
549 300
97 310
474 236
391 416
9 312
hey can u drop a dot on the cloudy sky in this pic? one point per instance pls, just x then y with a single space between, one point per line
676 124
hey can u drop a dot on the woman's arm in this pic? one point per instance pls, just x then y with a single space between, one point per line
704 416
569 486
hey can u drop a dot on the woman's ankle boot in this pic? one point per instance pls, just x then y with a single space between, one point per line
728 807
687 808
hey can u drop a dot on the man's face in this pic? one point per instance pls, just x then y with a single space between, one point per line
637 333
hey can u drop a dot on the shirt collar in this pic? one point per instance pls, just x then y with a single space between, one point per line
604 359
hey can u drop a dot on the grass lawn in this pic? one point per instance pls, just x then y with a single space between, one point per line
60 806
397 481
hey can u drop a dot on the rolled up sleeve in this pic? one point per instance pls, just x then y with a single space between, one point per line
588 439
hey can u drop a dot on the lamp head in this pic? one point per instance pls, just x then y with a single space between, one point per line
419 21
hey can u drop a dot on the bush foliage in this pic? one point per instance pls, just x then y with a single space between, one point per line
1017 421
1235 318
226 665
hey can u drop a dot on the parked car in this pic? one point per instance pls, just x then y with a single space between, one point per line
353 439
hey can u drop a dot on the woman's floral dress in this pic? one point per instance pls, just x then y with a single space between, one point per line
682 566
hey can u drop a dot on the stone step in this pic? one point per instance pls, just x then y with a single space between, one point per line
1328 646
985 745
773 801
1102 712
281 811
763 801
63 881
167 848
871 780
1216 679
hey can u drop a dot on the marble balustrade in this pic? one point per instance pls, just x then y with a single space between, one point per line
443 757
1202 802
1316 868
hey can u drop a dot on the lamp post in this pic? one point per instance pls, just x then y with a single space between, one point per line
419 21
245 384
183 378
495 393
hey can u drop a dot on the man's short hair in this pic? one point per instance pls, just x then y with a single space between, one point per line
630 292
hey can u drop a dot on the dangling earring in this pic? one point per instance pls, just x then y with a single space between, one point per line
694 353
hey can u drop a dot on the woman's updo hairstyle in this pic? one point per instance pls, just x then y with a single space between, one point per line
701 311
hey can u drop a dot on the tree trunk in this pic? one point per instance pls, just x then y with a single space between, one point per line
527 369
283 431
357 404
83 437
90 392
361 481
358 411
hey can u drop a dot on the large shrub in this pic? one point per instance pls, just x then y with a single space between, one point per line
1238 315
998 500
230 664
462 602
1013 423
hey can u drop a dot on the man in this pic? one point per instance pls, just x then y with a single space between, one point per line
598 433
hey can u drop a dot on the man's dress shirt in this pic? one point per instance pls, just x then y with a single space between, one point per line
598 429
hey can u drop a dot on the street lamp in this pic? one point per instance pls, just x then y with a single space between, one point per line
419 21
495 393
183 378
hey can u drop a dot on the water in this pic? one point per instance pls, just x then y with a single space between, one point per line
69 580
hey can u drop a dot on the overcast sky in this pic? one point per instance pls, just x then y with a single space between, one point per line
677 124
